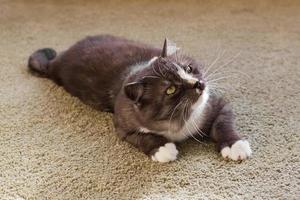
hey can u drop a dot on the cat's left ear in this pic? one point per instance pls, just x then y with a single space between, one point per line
169 48
134 91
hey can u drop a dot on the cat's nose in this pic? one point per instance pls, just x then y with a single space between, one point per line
199 85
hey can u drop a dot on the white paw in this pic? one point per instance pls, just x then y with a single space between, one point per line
240 150
166 153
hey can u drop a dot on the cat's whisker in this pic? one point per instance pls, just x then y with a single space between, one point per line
189 131
225 64
232 72
173 114
195 126
183 117
199 131
220 54
215 85
217 79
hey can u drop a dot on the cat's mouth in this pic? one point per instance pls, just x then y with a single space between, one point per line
197 90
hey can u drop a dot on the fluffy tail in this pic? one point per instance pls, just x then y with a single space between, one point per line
39 60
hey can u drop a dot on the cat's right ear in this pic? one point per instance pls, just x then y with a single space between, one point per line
169 48
134 91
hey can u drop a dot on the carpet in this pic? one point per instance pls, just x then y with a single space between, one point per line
54 147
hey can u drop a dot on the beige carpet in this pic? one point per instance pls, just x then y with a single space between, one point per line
54 147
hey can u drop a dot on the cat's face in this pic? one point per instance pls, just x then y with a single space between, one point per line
166 90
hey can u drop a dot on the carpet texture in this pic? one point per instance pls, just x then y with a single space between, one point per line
54 147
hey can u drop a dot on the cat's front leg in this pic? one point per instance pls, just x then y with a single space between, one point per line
229 142
153 145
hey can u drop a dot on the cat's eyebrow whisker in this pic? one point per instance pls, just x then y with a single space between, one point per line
222 66
227 63
210 76
217 79
232 71
220 54
216 86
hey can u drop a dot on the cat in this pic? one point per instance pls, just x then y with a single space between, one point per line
159 97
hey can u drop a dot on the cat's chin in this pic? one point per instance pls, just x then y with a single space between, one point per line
201 100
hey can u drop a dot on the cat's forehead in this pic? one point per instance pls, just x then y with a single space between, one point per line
173 71
172 64
177 59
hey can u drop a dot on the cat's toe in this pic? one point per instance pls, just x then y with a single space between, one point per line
166 153
240 150
226 152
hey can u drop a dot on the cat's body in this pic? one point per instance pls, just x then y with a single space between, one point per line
157 96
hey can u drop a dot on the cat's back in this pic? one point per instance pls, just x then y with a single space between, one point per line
105 54
94 68
112 50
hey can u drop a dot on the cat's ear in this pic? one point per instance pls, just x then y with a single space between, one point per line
169 48
134 91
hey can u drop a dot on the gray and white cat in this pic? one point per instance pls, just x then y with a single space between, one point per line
158 96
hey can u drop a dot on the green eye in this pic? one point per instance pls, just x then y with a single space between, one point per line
171 90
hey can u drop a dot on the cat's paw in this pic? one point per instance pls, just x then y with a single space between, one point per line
166 153
240 150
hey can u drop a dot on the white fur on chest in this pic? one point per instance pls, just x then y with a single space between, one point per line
191 126
197 118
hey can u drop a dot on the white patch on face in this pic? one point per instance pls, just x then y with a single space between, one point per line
185 76
197 116
166 153
141 66
240 150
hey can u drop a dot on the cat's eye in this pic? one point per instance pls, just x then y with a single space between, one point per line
189 69
171 90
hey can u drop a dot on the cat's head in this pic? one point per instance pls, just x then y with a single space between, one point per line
167 88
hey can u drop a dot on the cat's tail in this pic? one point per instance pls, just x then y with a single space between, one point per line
39 60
